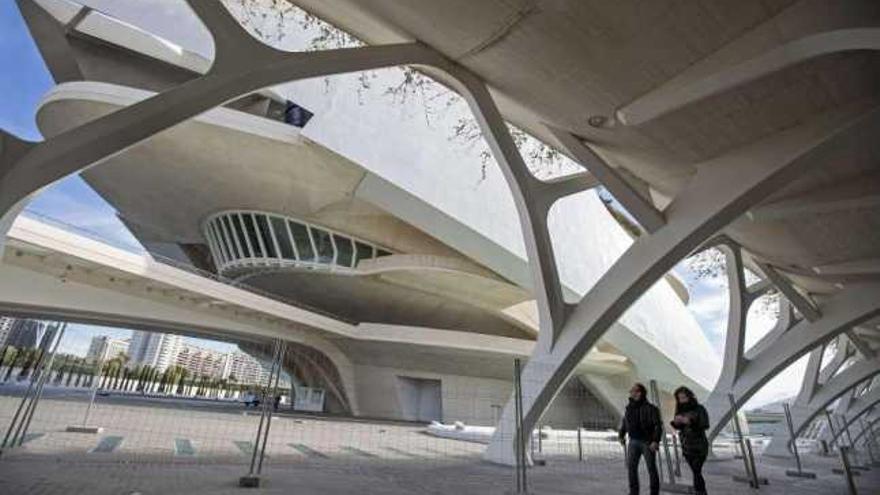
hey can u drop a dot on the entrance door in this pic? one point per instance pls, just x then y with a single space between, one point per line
420 399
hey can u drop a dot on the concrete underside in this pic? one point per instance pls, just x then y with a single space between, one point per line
576 60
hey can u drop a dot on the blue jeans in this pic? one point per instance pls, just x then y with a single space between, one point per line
635 449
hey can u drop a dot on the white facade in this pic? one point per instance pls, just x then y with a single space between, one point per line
245 368
158 350
104 347
201 361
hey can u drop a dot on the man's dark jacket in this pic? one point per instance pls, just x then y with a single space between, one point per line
641 421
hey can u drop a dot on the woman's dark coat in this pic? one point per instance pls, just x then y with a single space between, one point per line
693 435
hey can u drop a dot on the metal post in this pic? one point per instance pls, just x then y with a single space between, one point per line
852 445
656 393
18 411
580 446
37 375
739 436
831 427
44 376
792 444
522 481
800 473
516 456
847 470
867 441
677 457
269 417
263 412
756 483
94 393
540 440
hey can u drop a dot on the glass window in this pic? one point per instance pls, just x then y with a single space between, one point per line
363 251
226 233
323 245
344 250
252 234
382 252
217 240
266 235
283 237
301 238
239 233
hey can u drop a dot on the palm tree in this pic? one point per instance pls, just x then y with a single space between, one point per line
16 356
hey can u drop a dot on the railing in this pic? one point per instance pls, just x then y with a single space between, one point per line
140 250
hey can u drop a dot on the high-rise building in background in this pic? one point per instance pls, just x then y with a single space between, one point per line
245 368
5 327
103 348
158 350
23 334
202 361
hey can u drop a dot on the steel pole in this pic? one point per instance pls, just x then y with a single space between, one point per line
831 427
847 469
670 471
739 435
94 386
44 375
793 442
281 351
18 411
263 411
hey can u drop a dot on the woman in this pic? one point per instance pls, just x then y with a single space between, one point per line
692 421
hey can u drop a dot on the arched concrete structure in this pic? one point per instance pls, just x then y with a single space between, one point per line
810 404
726 188
867 429
841 312
722 189
859 407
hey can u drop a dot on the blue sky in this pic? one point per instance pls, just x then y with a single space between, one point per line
23 81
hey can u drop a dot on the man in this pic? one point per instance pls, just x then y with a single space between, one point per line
641 421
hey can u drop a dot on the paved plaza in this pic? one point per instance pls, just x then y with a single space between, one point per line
168 447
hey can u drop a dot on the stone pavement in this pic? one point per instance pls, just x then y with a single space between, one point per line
45 475
167 449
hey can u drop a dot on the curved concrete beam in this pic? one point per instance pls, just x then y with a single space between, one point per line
243 66
636 204
867 425
723 190
803 413
860 407
851 306
677 94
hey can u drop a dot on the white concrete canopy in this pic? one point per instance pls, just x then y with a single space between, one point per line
732 118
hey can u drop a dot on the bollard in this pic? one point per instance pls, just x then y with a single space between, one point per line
580 446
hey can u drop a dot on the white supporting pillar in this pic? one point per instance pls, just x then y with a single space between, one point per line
722 191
